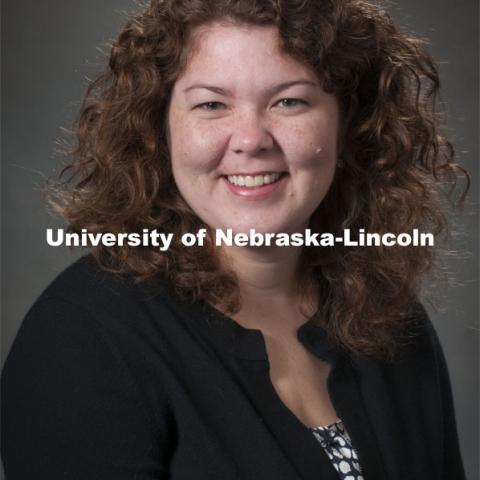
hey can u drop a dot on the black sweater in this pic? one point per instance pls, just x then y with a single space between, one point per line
113 381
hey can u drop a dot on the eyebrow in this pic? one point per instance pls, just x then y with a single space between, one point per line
272 91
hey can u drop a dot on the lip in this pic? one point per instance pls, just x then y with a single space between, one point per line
254 193
254 174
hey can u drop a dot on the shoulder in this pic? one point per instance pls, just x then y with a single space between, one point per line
416 379
88 309
85 283
92 325
418 349
423 341
80 309
108 298
76 371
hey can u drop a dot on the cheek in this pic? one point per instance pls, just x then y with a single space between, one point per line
311 147
196 147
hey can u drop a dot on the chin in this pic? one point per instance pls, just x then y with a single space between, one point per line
258 228
261 224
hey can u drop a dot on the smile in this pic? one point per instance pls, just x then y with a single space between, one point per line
256 186
253 181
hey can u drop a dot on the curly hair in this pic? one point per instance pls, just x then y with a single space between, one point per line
394 160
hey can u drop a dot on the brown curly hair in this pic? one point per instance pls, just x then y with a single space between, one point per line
386 83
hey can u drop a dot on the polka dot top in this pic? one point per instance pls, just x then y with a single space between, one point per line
337 444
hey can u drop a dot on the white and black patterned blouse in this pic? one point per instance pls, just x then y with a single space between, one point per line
338 446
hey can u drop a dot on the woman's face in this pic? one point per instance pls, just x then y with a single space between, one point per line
253 136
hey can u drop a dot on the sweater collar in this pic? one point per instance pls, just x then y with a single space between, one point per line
249 344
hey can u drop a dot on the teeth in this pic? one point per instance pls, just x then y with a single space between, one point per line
257 181
249 181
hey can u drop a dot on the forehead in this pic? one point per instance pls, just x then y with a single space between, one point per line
235 51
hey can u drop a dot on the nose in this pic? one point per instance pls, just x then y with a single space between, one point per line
250 134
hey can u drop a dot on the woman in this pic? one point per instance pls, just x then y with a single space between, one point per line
244 362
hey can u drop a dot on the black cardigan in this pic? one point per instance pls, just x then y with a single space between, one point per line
113 381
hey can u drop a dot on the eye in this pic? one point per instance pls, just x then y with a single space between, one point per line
210 106
291 102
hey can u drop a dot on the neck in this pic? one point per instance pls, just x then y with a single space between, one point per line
268 282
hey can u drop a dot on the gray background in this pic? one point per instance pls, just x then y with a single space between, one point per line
50 46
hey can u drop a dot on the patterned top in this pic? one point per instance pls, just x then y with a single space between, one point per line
338 446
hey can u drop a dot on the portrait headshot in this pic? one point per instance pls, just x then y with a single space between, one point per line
240 240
